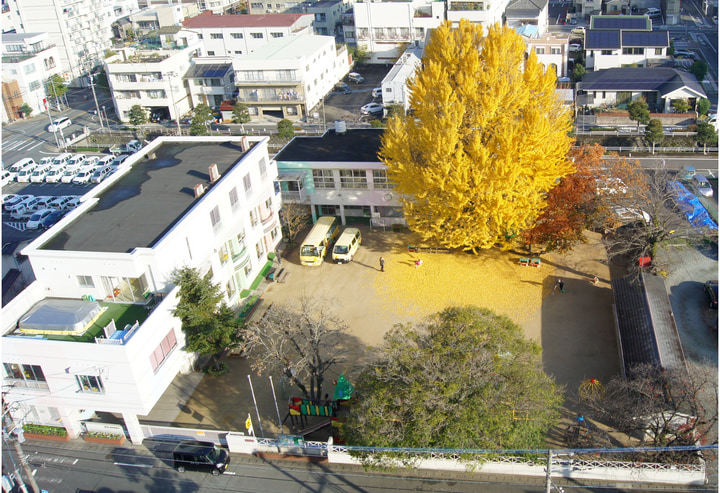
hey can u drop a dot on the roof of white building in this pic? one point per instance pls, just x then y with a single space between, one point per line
353 146
208 19
19 37
288 47
141 206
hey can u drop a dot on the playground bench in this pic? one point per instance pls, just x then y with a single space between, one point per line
524 261
419 249
536 262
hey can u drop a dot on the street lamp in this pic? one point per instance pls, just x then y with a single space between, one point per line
172 75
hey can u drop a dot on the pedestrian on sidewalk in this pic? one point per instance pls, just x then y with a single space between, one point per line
382 264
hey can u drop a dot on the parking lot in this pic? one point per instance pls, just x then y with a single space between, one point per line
346 107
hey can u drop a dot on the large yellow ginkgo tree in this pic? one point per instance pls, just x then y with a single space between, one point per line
488 138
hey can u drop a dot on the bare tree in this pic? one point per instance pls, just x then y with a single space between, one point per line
643 213
663 407
293 218
301 340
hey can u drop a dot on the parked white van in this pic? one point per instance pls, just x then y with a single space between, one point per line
62 159
25 207
25 173
100 174
105 160
16 168
54 174
702 185
76 160
38 174
347 245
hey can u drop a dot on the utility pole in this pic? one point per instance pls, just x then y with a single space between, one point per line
47 108
7 418
171 76
97 107
55 92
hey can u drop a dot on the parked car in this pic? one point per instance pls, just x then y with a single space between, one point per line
54 174
356 78
118 161
68 175
687 172
685 54
24 174
5 177
17 167
83 176
90 161
711 288
580 31
10 200
44 202
59 124
575 47
702 185
38 174
53 218
104 161
200 456
20 209
377 92
72 203
76 160
372 109
58 202
343 88
37 218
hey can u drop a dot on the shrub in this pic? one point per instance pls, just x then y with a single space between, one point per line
45 430
107 436
222 369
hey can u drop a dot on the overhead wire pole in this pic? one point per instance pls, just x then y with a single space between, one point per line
47 108
92 86
7 435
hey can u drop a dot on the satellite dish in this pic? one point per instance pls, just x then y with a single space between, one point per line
389 196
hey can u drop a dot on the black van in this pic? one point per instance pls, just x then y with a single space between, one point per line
200 456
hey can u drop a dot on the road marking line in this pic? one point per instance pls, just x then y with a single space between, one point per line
33 147
132 465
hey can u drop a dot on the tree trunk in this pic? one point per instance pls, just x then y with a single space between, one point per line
297 383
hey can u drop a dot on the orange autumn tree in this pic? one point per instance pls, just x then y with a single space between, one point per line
571 205
486 142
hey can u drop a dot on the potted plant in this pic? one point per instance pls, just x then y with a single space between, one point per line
44 432
104 437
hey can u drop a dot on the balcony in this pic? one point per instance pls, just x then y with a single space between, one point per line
280 96
423 12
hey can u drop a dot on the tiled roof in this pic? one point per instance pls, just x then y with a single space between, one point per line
662 79
207 19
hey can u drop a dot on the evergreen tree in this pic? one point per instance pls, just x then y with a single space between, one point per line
639 112
487 141
286 129
706 134
202 117
137 115
699 69
26 109
654 132
703 106
240 113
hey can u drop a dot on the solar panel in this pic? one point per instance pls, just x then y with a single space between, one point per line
602 40
619 22
644 38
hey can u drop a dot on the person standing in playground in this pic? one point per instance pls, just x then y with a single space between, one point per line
560 284
382 264
418 263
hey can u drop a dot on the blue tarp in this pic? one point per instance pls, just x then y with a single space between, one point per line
690 205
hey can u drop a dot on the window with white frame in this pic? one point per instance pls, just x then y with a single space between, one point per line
353 178
268 203
29 376
234 201
215 218
323 178
34 85
90 383
253 218
247 184
555 51
248 269
274 233
277 35
216 36
259 249
230 287
237 35
163 350
263 167
223 254
156 94
540 51
85 281
257 35
380 179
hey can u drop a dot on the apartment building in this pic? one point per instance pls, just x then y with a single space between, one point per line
385 29
79 28
339 174
288 76
111 343
29 60
327 14
485 12
218 7
230 35
152 75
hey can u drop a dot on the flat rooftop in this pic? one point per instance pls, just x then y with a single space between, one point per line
353 146
138 209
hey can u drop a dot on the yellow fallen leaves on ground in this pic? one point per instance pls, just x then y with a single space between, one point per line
491 279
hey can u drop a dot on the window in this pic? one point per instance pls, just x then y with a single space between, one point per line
257 35
380 179
215 218
30 68
163 350
200 36
253 74
234 202
85 282
274 233
256 5
555 51
263 167
540 51
268 203
248 269
236 35
247 184
328 210
230 287
126 77
259 249
238 52
156 94
90 383
633 51
353 178
320 18
211 53
323 178
216 36
34 85
277 35
223 254
658 51
253 218
606 52
29 376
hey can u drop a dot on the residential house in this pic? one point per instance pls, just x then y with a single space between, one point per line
624 40
230 35
552 51
485 12
339 174
395 84
214 208
659 86
152 78
210 81
80 29
29 60
385 29
152 19
288 76
585 8
327 15
528 12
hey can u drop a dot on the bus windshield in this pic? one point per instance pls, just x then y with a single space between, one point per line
341 250
309 251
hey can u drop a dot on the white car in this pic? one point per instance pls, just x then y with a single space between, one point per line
5 177
84 175
575 47
372 109
58 202
72 203
90 161
59 124
54 174
580 30
37 218
10 200
68 175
